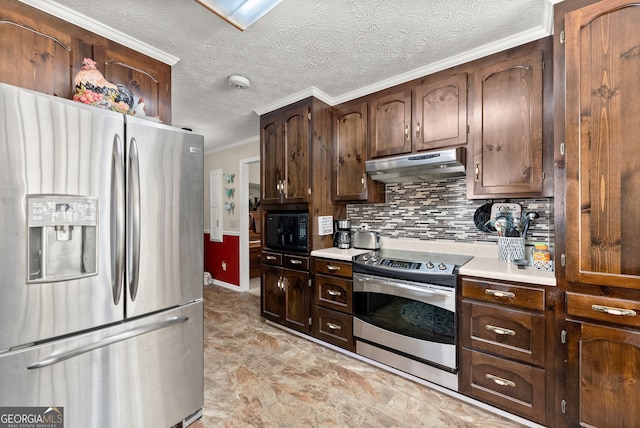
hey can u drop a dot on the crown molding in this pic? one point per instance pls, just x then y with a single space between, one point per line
97 27
306 93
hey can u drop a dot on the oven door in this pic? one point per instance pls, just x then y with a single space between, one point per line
410 318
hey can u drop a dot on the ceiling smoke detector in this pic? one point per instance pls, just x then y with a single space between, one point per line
239 82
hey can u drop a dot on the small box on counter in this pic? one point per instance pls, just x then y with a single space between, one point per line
546 265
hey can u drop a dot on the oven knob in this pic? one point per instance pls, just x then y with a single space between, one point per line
442 266
429 265
365 258
374 259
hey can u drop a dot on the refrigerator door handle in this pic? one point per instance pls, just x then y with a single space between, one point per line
118 216
58 358
134 218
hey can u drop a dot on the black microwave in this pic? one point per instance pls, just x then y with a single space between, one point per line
287 231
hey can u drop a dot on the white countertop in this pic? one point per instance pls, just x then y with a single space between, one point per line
338 253
484 264
491 268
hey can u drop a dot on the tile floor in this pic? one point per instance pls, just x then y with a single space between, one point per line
257 375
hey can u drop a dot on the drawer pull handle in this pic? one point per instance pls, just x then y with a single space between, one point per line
334 293
296 262
500 381
614 311
333 268
500 330
271 257
333 326
498 293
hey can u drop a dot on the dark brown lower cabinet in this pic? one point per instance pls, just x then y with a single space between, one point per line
285 292
603 378
332 304
515 387
504 346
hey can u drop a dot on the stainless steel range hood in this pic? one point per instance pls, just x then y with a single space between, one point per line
419 166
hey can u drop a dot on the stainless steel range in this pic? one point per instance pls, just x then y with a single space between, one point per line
405 312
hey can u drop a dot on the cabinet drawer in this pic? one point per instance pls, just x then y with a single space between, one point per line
516 296
507 332
271 258
607 309
334 327
334 293
295 262
515 387
332 267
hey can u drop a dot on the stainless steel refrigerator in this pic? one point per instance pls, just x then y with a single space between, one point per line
101 264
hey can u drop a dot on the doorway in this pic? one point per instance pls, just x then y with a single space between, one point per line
247 179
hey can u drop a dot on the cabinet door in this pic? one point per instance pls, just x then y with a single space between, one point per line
507 143
602 131
350 153
272 293
37 58
440 113
145 77
296 288
390 124
296 155
271 159
603 381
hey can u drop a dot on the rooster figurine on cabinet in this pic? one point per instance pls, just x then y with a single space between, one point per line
93 89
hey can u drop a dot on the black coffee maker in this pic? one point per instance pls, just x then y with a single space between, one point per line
342 233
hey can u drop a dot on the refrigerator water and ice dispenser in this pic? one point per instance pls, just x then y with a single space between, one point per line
62 237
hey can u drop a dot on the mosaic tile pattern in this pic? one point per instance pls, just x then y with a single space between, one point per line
440 210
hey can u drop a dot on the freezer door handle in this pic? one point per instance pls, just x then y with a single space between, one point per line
134 218
118 216
57 358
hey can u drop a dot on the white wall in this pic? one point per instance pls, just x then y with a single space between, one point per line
228 161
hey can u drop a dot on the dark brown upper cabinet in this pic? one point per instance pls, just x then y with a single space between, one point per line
512 147
602 134
440 113
44 53
285 153
350 181
390 122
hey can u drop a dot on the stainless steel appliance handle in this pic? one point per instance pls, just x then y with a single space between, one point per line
134 218
117 214
55 359
422 292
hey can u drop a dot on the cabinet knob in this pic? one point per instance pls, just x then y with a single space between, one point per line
333 268
271 257
406 132
500 380
334 293
418 130
296 262
476 171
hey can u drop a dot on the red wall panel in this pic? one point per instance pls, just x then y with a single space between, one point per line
227 252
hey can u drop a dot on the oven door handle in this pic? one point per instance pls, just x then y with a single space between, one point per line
386 286
422 290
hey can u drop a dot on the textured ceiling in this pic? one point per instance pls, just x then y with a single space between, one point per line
342 49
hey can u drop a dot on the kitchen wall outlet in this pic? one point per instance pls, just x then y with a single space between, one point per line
224 266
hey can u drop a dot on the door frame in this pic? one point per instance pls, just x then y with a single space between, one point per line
243 224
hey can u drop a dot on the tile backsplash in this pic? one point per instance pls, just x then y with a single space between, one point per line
440 209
